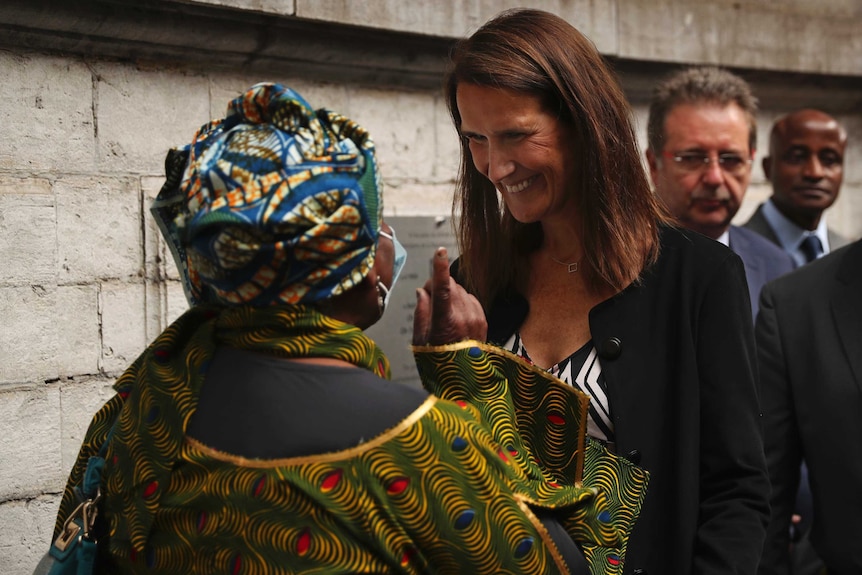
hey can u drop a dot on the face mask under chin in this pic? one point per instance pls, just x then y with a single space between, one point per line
399 260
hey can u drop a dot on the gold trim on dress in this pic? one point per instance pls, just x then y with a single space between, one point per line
553 550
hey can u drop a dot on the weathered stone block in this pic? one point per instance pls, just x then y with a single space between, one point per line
447 155
402 125
459 19
47 113
408 198
432 18
787 35
30 450
98 228
28 340
28 234
79 343
794 37
124 329
598 21
144 112
26 527
668 30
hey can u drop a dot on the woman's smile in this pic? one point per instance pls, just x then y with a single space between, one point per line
518 187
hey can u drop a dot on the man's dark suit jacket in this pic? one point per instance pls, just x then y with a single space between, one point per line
809 343
763 260
677 351
758 224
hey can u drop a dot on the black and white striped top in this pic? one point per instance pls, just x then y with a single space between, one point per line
583 371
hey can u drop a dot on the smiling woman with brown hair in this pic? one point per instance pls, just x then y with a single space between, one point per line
531 53
580 273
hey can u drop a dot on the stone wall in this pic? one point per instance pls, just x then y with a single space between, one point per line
94 92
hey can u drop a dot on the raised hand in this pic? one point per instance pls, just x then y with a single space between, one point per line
445 312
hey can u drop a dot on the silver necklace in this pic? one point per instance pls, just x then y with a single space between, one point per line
573 267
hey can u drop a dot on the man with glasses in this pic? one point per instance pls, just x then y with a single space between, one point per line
806 166
702 136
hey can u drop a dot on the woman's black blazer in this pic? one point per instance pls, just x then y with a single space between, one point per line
677 349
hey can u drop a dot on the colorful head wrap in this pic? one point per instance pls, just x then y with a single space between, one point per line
277 203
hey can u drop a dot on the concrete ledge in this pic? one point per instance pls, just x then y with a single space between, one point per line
223 37
397 43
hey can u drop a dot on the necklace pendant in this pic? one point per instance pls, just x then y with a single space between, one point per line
572 267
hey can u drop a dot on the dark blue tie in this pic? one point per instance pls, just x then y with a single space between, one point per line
811 248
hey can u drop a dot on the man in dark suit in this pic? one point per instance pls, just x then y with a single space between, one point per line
809 348
806 166
702 138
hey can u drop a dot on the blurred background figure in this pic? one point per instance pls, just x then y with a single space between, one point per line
702 135
580 273
806 167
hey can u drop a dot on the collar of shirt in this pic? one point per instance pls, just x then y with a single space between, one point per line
790 235
724 238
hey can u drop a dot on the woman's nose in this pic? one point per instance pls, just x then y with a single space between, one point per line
500 164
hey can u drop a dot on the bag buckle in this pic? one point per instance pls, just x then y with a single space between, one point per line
70 531
73 529
89 511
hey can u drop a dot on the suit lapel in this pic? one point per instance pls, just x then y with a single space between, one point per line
759 224
755 270
846 304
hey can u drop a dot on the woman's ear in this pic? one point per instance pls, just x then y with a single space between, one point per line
357 306
371 276
366 301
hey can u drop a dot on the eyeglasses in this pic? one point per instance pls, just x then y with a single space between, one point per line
695 161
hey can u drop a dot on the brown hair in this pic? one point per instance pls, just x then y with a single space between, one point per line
541 55
700 85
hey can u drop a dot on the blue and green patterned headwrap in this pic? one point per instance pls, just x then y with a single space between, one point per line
276 203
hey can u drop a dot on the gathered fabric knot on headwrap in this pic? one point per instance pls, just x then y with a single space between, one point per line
277 203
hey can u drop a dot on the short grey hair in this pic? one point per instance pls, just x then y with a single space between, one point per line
699 85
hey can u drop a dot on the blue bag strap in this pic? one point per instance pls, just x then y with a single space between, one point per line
74 550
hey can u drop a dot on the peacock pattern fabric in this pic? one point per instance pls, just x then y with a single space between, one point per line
541 421
450 489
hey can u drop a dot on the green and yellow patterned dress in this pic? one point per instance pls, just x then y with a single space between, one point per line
450 489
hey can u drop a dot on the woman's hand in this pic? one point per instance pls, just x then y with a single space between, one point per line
445 312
